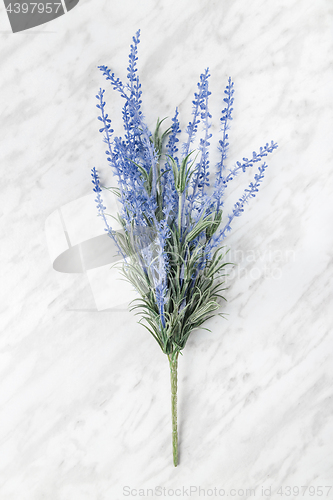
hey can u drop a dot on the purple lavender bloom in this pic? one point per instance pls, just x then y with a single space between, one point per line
167 205
170 215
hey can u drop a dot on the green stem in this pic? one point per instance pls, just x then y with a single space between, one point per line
180 214
173 375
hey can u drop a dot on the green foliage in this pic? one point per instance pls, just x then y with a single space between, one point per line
194 282
193 296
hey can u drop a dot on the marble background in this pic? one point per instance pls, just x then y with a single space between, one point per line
84 392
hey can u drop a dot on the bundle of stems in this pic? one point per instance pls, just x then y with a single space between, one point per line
170 215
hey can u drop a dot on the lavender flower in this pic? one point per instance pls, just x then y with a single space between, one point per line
172 223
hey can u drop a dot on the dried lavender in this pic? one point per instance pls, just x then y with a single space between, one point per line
171 217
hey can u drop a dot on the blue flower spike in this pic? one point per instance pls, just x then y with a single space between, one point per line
171 217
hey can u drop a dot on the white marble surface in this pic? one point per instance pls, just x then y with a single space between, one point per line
84 394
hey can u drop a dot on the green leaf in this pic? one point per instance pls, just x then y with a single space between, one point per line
214 227
114 190
201 226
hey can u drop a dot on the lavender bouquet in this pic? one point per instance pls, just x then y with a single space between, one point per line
170 214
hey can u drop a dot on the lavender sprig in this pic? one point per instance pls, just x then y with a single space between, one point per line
172 221
223 143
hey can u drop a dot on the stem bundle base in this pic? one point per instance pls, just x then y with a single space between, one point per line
173 375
